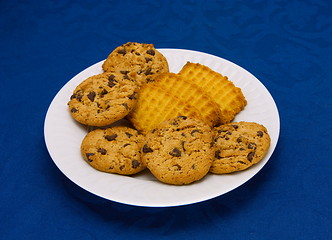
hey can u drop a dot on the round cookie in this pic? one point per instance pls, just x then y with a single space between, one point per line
114 150
239 145
102 99
139 58
179 151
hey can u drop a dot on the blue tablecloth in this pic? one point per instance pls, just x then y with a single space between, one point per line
285 44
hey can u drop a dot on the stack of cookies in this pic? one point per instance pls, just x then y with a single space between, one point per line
181 123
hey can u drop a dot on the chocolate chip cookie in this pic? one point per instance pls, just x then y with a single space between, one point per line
179 151
102 99
239 145
114 150
139 58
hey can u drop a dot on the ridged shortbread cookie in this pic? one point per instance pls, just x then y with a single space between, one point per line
179 151
155 105
191 93
114 150
142 59
229 97
239 145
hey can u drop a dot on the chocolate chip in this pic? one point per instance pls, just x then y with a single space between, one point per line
122 51
127 144
252 145
112 83
125 74
111 137
175 123
183 117
251 156
88 155
178 167
147 149
79 97
133 96
217 154
135 164
128 134
103 151
92 96
260 134
103 93
111 77
74 110
122 167
125 105
73 96
239 139
182 144
175 152
151 52
148 59
221 130
148 71
235 126
241 162
194 131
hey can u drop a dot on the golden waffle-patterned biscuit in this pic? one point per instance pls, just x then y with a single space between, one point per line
155 105
229 97
191 93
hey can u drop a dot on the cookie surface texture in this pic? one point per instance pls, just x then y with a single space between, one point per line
239 145
191 93
138 58
229 97
179 151
155 105
102 99
114 150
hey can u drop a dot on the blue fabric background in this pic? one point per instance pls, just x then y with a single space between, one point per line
285 44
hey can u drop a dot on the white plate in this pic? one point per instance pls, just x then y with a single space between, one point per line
63 137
